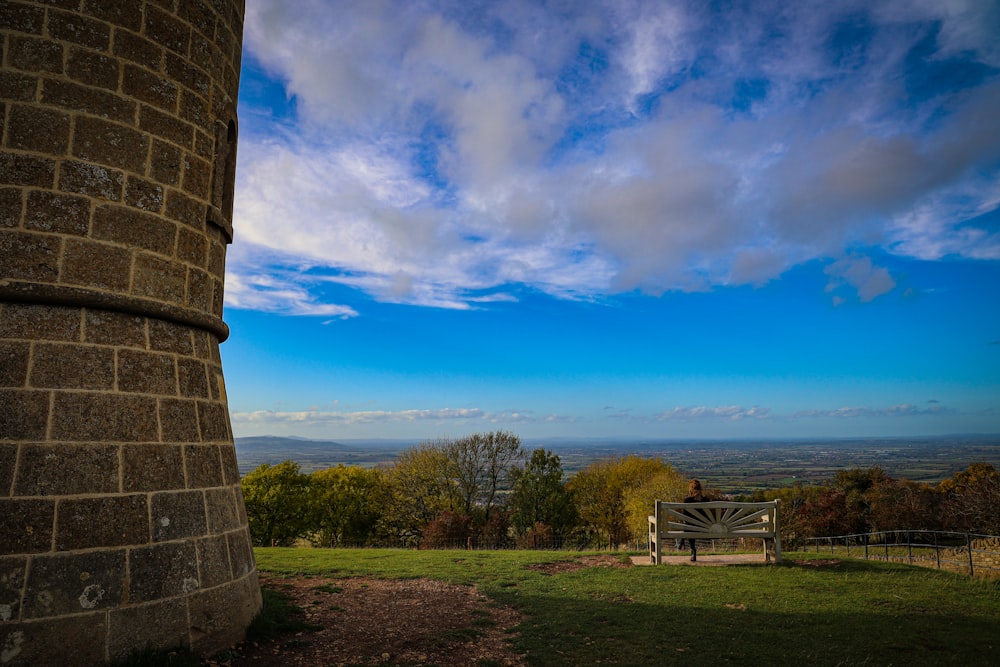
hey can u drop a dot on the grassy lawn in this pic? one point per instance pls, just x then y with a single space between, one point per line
854 612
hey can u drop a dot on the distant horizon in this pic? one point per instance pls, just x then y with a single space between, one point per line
650 440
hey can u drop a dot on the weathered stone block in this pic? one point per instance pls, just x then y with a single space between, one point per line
218 615
213 418
149 87
192 78
37 129
33 54
94 417
166 126
94 264
125 13
45 642
165 163
54 212
68 366
158 278
110 328
201 17
8 457
169 337
62 470
85 99
193 379
24 414
240 552
14 363
27 525
129 226
27 170
93 180
152 467
143 194
185 209
74 583
162 571
130 46
192 247
93 69
201 290
194 110
178 421
178 515
197 177
213 561
220 508
22 18
161 624
28 256
111 144
10 205
18 87
204 144
144 372
107 521
230 467
11 584
30 322
167 30
73 27
204 466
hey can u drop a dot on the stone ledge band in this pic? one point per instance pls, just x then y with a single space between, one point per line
80 297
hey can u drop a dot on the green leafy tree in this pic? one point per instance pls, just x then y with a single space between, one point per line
540 502
347 504
277 503
601 491
421 487
668 484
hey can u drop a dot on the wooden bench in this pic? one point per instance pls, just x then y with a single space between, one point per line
714 520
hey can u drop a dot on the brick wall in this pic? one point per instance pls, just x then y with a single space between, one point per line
121 520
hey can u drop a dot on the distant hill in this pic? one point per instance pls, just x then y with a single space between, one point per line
274 443
311 455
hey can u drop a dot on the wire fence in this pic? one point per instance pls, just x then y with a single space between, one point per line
969 553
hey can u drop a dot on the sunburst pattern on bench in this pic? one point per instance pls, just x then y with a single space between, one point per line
715 520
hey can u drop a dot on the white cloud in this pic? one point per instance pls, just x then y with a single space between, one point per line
868 280
444 157
316 417
718 413
858 412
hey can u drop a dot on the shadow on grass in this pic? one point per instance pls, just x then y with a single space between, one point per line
814 612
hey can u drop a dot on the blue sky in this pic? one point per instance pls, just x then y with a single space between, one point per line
617 219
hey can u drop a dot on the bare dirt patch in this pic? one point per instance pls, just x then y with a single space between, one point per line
579 564
366 621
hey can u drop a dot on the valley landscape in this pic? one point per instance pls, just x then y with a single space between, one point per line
731 466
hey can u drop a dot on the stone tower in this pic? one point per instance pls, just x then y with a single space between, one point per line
122 525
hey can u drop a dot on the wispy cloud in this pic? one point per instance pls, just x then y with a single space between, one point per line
859 412
718 413
316 417
445 157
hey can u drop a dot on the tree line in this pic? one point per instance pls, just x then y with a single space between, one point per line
486 491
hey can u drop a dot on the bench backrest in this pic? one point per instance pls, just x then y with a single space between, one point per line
714 520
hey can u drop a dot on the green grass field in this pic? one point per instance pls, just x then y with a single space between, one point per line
803 612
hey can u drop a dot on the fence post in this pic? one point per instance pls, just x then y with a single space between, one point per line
968 542
866 546
937 551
